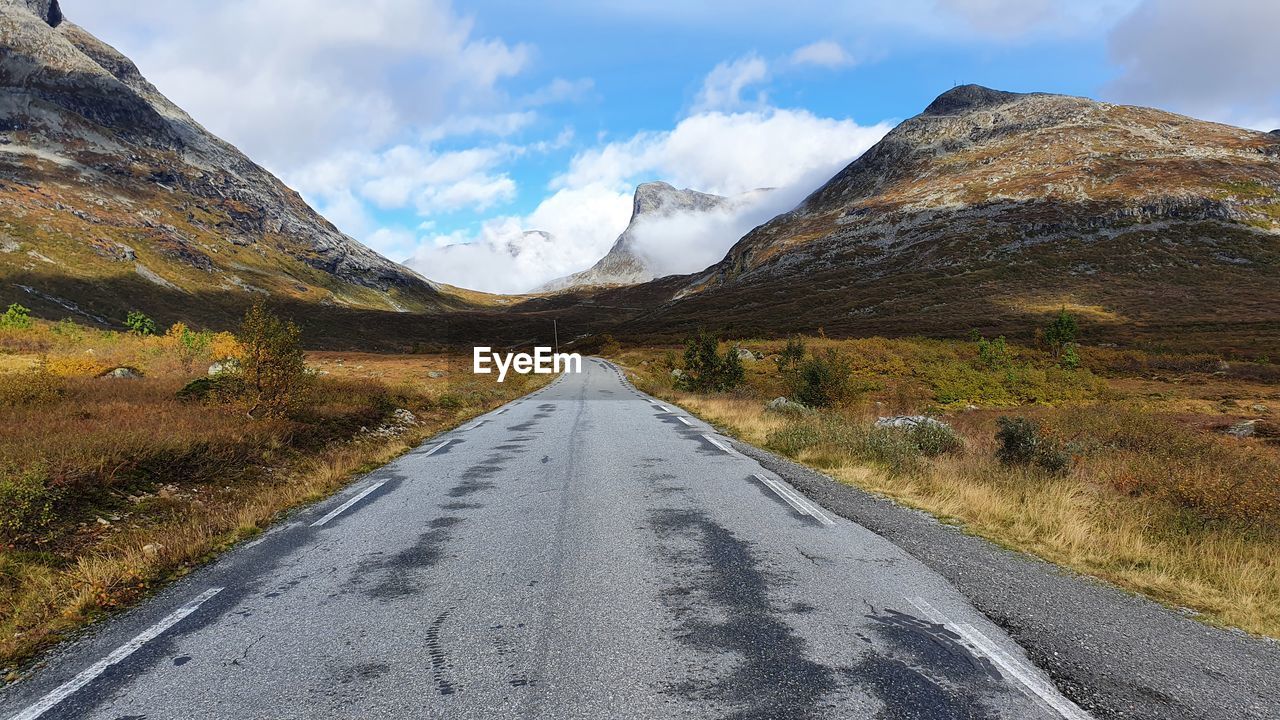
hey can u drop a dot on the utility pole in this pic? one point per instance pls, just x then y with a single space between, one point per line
555 331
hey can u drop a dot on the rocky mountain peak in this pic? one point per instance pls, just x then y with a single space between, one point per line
46 10
966 98
660 198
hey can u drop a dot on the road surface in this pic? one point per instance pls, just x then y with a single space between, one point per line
584 552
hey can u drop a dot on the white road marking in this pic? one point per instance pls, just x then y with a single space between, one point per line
796 500
62 692
663 409
717 443
686 422
500 411
433 450
1026 676
338 511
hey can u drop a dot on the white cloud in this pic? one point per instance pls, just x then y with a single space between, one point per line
824 53
501 257
728 153
723 87
289 80
1214 60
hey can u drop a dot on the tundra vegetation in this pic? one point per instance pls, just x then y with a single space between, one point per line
113 482
1118 463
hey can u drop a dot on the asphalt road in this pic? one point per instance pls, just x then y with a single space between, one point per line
585 552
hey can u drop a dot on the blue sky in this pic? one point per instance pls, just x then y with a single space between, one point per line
439 132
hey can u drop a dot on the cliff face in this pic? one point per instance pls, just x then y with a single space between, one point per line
624 264
104 182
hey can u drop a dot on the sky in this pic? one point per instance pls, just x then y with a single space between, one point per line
438 133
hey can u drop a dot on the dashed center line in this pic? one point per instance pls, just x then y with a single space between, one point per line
341 508
62 692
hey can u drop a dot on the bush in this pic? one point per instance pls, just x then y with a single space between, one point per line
706 370
221 388
68 329
16 317
1061 332
821 380
188 343
1022 443
273 367
994 354
139 324
792 354
26 503
609 346
832 439
35 386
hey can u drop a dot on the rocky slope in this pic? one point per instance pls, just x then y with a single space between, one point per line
991 209
624 264
111 197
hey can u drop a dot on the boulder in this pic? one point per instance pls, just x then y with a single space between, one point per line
435 374
677 373
911 422
123 373
746 355
782 404
229 365
1245 429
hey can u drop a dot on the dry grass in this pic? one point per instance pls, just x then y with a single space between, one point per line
145 486
1157 500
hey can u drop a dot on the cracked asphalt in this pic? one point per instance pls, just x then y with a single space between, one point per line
584 552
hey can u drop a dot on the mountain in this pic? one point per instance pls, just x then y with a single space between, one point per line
991 209
624 264
112 197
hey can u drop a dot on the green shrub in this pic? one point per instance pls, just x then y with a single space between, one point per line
139 324
821 380
220 388
26 503
706 370
792 354
1022 443
273 368
16 317
1061 332
68 329
994 354
935 439
1070 358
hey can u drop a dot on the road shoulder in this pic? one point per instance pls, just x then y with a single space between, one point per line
1116 654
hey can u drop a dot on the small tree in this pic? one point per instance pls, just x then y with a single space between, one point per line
16 317
994 354
139 324
792 354
1061 332
705 370
822 380
188 343
1021 442
272 363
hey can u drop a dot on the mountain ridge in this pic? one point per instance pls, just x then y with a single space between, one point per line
104 181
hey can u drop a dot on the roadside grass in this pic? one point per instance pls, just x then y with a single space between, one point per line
114 486
1156 500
